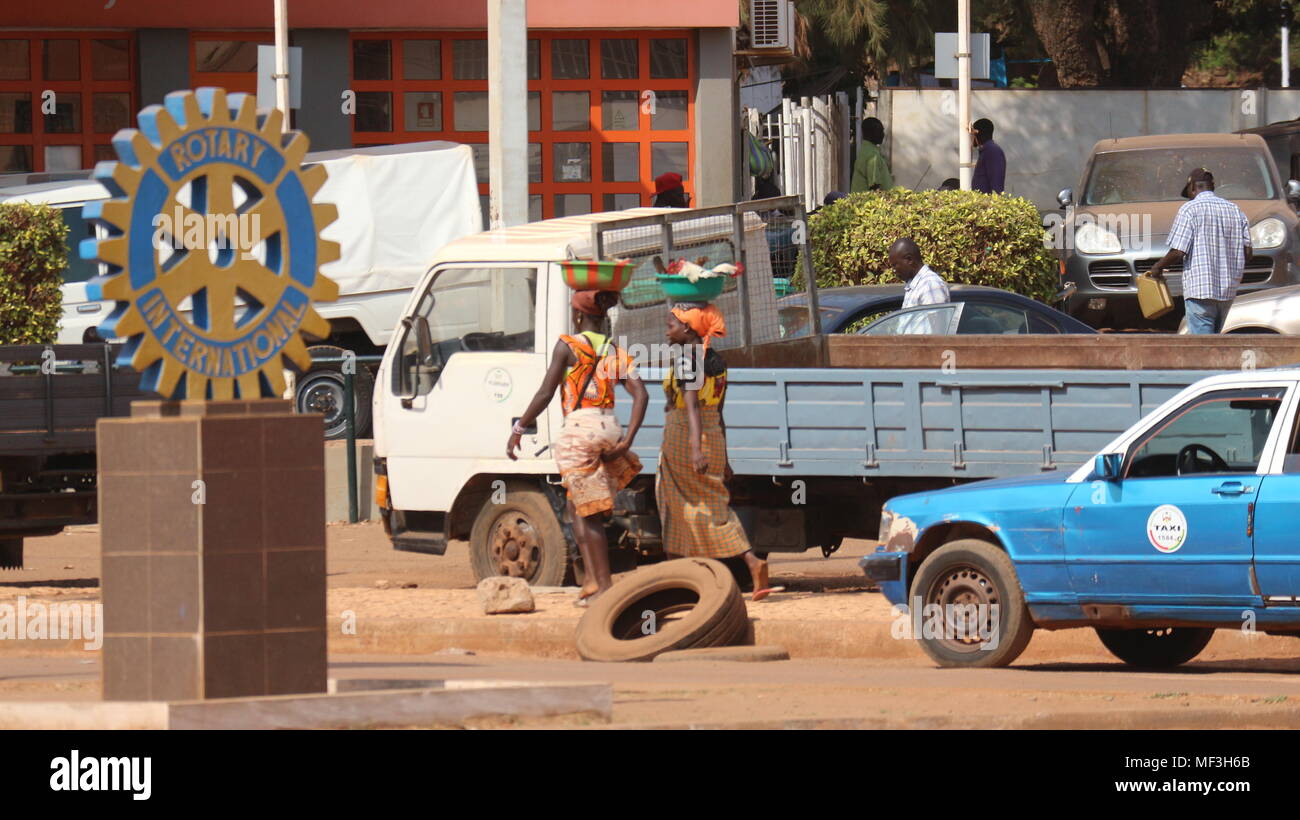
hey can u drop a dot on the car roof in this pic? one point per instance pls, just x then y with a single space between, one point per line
1179 141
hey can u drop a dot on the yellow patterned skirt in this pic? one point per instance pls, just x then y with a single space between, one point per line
592 482
695 508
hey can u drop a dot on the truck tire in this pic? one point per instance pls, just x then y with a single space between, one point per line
964 572
11 553
521 538
1156 648
322 388
698 590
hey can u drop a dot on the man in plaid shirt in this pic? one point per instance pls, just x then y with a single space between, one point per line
1212 237
924 286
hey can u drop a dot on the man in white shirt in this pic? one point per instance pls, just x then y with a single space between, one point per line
924 286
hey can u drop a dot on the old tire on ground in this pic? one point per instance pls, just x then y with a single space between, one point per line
1156 648
694 601
521 538
322 389
748 654
11 553
965 572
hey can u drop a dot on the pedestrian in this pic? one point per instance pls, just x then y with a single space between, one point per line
1211 236
990 175
594 456
690 487
766 188
870 171
924 286
669 192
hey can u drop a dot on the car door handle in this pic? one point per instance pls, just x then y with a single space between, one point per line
93 308
1231 488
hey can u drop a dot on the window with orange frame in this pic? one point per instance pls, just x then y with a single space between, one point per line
608 111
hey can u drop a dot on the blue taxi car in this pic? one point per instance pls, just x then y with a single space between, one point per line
1187 522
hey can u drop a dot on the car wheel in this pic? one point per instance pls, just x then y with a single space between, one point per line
322 390
1156 648
961 575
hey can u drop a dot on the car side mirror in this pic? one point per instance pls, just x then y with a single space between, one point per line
1107 466
1293 191
1065 198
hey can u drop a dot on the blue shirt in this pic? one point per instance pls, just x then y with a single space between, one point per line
1214 234
990 169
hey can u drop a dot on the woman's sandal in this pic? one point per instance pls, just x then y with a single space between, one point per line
584 596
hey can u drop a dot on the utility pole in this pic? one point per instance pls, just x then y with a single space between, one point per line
965 166
1286 44
507 112
281 75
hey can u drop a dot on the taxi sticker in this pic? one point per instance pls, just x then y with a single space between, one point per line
498 383
1167 528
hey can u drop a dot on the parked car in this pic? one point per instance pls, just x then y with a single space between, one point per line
1117 221
843 308
1276 310
1183 524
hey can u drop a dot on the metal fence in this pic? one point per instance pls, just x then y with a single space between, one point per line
812 142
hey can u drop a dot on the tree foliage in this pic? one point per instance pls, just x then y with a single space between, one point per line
33 255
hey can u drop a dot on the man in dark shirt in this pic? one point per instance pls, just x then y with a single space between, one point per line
991 168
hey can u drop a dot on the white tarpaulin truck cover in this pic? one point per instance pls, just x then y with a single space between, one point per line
398 204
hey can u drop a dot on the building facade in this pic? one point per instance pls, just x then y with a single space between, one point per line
617 94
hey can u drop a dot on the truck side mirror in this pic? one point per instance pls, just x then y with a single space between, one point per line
1107 466
1065 198
424 359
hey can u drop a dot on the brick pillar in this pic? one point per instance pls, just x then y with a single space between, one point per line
216 589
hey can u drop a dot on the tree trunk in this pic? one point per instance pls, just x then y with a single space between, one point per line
1067 31
1149 41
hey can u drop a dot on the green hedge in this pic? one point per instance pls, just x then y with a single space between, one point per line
32 258
965 236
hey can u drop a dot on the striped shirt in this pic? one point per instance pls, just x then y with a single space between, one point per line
926 288
1214 234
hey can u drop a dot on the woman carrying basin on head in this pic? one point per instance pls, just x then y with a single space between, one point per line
690 488
594 455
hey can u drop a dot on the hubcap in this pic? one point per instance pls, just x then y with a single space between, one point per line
514 546
966 597
325 398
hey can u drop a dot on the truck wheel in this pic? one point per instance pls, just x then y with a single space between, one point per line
1156 648
321 390
955 577
11 553
521 538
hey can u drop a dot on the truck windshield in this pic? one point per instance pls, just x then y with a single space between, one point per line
1159 174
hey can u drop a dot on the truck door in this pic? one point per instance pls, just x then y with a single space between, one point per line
1175 529
446 419
1277 522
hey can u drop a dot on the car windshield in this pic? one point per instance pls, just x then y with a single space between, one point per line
1159 174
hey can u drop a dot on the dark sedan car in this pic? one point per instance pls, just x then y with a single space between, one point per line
846 310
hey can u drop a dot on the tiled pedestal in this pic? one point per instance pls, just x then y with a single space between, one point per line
212 527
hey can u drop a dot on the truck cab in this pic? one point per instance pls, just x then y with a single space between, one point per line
472 349
1181 525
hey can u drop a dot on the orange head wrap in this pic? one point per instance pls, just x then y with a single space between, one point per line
586 301
705 320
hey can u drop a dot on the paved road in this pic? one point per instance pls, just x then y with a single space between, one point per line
851 693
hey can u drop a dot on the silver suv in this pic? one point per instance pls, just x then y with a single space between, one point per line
1117 225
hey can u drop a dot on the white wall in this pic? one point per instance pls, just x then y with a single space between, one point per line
1048 134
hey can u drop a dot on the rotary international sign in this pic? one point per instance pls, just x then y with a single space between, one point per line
213 247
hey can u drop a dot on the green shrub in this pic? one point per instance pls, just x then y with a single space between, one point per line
32 258
966 237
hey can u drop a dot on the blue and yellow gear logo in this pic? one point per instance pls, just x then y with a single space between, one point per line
204 167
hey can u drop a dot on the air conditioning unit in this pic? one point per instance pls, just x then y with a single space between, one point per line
771 25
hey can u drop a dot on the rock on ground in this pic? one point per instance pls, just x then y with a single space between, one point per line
503 594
